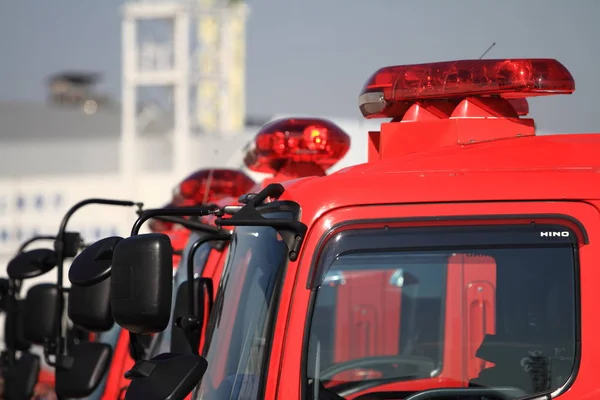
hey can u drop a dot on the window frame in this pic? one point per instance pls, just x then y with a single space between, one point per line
567 222
266 210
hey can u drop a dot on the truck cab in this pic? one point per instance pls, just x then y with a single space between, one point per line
456 263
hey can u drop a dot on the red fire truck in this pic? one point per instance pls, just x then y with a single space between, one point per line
456 264
449 268
268 155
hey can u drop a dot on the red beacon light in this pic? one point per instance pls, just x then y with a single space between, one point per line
391 91
203 187
209 185
293 141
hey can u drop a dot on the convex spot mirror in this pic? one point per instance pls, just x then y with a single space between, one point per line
142 283
89 306
166 376
94 264
31 264
19 382
39 312
90 363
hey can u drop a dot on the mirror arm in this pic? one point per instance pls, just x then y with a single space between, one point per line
190 264
59 247
292 231
192 324
34 239
189 224
170 212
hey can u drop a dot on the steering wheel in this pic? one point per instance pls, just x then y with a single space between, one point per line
505 393
383 364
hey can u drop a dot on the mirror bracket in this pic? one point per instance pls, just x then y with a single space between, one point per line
141 369
292 231
50 348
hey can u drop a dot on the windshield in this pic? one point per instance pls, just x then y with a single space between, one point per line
238 333
163 342
441 308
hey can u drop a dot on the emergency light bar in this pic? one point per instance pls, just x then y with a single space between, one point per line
209 185
297 141
391 90
203 187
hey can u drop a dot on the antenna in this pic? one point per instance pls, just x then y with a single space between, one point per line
487 51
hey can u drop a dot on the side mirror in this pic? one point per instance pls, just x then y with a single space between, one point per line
185 338
31 264
40 312
166 376
14 334
93 264
142 283
71 244
19 382
89 306
90 361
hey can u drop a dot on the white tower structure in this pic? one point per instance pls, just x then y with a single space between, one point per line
204 54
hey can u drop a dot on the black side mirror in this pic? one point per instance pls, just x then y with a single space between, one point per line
142 283
89 307
31 264
166 376
72 242
40 312
89 363
20 381
93 264
14 333
186 339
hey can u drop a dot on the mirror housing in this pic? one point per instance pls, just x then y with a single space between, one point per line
72 243
40 312
142 283
90 361
19 382
31 264
93 264
89 306
166 376
14 324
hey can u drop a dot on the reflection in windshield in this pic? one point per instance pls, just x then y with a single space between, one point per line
486 317
238 330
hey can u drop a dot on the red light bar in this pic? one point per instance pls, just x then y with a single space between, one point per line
388 91
208 185
297 140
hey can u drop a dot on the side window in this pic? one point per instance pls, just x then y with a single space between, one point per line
454 307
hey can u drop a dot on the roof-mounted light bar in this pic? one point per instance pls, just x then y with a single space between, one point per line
286 141
391 90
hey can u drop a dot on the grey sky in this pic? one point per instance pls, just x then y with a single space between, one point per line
312 56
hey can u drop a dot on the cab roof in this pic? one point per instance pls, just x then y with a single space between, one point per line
552 167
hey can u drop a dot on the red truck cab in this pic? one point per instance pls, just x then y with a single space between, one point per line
458 263
266 155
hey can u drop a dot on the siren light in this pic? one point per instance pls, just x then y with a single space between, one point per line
209 185
288 141
193 191
391 90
